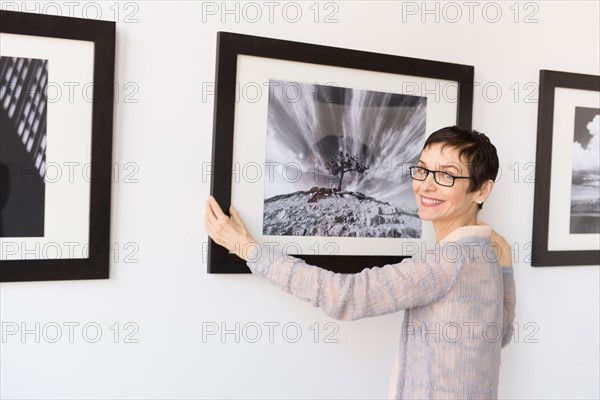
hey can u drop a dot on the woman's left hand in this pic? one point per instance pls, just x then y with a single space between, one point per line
501 247
229 232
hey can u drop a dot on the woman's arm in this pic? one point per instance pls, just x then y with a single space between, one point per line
504 255
508 305
416 281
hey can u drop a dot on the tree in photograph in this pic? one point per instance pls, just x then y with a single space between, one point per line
341 163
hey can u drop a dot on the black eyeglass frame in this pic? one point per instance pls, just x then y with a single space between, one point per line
454 178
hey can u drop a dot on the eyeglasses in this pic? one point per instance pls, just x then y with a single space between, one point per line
440 177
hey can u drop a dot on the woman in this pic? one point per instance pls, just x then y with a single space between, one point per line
459 299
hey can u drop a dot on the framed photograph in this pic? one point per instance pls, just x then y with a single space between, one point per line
312 145
566 216
56 116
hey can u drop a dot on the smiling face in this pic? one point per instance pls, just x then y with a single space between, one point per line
452 206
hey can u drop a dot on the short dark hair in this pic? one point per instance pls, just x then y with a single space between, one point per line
475 147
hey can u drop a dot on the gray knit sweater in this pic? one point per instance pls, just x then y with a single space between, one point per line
459 310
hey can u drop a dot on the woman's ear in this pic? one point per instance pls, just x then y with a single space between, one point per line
484 191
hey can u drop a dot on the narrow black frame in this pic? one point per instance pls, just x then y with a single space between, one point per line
102 34
230 45
540 255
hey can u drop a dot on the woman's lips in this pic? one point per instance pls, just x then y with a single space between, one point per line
429 202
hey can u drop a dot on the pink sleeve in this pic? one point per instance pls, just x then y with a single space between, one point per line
416 281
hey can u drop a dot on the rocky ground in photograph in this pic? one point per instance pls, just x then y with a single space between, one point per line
327 212
585 206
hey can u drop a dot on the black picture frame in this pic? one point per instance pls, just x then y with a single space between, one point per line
231 45
541 256
102 34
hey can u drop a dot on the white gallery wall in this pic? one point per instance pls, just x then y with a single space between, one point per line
170 330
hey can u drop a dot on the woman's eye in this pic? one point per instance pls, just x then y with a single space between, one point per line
447 177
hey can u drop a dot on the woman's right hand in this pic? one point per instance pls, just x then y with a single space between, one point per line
229 232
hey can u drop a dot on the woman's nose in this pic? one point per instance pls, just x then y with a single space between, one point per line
429 182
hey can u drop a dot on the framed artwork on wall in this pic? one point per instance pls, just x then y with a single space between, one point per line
312 144
56 116
566 216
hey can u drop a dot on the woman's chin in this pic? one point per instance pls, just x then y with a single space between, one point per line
424 216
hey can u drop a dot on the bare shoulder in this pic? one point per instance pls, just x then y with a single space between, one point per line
502 249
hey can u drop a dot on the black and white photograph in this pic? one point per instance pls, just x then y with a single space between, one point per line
23 108
566 213
585 187
317 158
336 161
56 108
